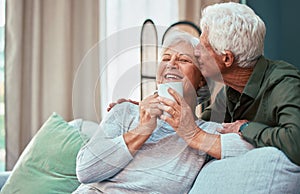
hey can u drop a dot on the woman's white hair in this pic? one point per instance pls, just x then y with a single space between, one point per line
175 37
234 27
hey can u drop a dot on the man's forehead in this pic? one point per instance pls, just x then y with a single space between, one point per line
204 40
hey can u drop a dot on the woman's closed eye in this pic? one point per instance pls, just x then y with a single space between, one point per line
179 59
185 59
166 59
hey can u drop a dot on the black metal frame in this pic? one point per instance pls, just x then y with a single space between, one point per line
188 23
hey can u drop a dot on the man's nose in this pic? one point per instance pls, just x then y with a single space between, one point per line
197 53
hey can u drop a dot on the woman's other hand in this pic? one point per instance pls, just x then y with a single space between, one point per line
149 112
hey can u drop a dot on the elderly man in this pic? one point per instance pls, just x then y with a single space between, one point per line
262 105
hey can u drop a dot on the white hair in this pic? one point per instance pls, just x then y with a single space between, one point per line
175 37
234 27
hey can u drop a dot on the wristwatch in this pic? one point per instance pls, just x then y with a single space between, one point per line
243 126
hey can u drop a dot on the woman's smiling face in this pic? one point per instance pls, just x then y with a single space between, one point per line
178 63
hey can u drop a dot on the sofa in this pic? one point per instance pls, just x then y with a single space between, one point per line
48 163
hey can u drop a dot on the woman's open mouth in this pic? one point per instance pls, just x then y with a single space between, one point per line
172 77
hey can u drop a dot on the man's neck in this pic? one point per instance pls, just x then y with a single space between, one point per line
237 78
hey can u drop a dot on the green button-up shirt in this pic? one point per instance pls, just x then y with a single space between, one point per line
271 101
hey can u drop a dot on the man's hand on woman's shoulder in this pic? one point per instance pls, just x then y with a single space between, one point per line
121 100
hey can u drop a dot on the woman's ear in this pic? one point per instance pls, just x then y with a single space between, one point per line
228 58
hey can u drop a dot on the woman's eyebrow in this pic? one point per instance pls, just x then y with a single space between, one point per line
180 54
184 54
166 54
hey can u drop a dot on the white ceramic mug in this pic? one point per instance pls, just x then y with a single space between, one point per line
163 89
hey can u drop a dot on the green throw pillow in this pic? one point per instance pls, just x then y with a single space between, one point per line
48 163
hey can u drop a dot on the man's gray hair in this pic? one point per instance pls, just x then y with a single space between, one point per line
234 27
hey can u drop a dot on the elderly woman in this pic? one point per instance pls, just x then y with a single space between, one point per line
133 150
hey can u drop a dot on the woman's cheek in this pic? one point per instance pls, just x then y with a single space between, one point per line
159 75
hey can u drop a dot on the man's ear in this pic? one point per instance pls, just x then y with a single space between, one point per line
228 58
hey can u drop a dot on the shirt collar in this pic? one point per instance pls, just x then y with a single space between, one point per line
253 85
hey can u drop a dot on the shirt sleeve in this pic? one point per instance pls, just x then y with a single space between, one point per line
283 104
106 153
231 143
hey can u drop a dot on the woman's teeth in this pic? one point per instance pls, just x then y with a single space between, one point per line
169 76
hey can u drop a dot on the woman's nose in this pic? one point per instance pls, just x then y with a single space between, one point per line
173 63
